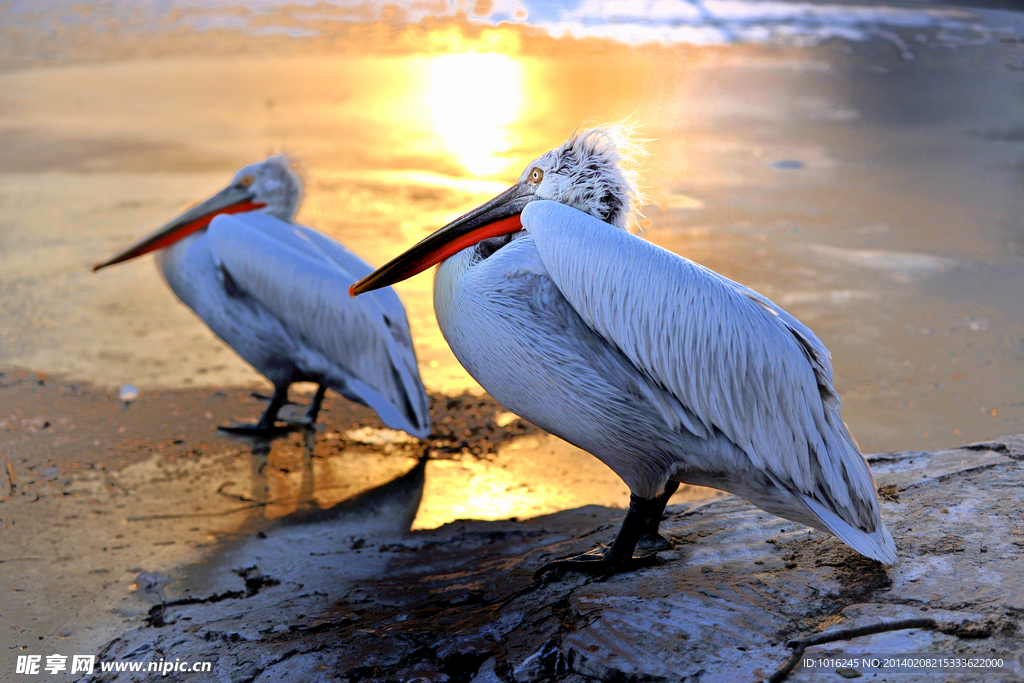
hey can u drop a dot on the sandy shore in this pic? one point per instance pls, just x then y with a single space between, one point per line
873 196
95 494
138 534
348 593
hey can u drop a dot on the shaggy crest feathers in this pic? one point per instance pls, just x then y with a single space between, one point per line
595 172
276 185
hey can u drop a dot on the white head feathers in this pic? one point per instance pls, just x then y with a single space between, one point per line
274 183
594 172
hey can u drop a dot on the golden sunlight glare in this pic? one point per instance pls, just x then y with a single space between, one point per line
473 97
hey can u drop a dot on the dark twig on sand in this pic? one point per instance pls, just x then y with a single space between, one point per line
799 646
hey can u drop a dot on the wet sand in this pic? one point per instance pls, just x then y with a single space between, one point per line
876 198
95 494
353 598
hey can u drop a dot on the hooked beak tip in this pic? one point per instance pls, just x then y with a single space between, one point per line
362 286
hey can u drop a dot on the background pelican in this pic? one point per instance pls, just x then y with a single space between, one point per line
663 369
275 292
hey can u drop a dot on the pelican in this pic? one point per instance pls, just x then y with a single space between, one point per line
275 293
664 370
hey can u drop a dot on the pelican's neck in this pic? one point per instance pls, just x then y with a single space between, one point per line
170 260
447 280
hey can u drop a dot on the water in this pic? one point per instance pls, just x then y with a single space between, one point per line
696 22
859 164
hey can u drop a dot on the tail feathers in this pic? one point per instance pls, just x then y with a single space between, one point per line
877 545
390 415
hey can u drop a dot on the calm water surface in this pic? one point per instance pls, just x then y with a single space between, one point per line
863 170
859 163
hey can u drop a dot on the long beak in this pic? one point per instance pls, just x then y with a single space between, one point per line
234 199
498 216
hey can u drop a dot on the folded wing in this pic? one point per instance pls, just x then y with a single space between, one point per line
302 277
732 358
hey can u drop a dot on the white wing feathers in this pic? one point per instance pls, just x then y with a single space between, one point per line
320 247
734 360
356 267
302 278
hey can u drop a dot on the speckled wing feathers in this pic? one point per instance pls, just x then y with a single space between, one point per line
736 362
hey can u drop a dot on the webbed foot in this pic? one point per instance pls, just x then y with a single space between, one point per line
639 532
596 563
266 427
653 542
258 430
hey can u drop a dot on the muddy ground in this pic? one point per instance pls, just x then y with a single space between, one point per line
349 596
96 492
141 535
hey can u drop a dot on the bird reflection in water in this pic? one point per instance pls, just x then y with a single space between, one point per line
306 475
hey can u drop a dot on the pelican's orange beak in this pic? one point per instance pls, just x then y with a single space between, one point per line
499 216
234 199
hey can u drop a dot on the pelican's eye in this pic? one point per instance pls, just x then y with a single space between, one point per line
536 175
246 180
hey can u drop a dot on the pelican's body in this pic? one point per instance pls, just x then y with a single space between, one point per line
275 293
661 368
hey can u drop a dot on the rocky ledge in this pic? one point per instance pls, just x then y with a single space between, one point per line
349 595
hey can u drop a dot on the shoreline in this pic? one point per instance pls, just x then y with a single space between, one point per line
868 187
103 494
352 595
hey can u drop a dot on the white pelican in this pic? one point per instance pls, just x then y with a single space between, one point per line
664 370
275 293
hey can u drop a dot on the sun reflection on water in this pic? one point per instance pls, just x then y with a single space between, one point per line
473 98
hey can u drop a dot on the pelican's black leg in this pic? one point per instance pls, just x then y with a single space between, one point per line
309 419
641 522
265 427
650 539
314 405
